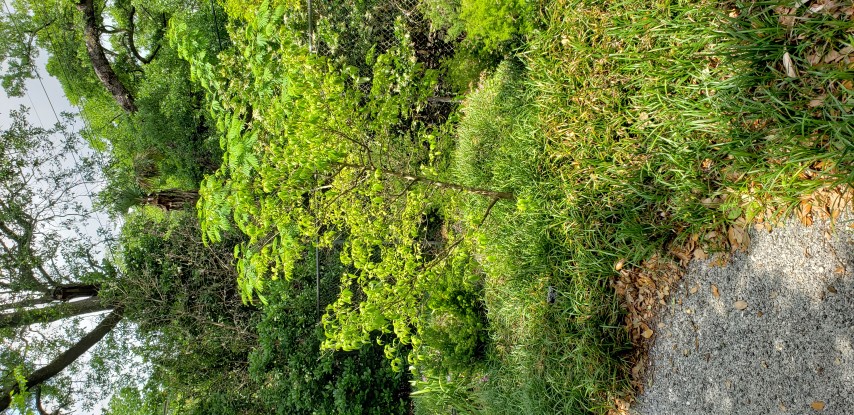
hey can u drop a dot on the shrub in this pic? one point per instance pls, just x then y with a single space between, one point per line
295 377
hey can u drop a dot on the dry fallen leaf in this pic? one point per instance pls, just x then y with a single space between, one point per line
817 405
647 333
694 289
740 304
839 270
700 254
738 238
619 265
715 291
789 65
813 58
832 56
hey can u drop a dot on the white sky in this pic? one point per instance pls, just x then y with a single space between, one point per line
39 99
43 99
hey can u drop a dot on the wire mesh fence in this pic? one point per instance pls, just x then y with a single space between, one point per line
347 31
328 277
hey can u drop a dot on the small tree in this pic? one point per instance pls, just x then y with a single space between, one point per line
312 159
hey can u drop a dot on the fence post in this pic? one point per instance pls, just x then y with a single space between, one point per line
310 28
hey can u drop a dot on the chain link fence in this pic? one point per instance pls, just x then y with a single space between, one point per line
327 268
347 31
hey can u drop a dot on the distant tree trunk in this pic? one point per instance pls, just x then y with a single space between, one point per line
102 67
52 313
172 199
71 291
63 360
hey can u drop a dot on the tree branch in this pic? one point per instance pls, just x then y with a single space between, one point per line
53 313
65 359
39 405
99 60
132 45
30 302
437 183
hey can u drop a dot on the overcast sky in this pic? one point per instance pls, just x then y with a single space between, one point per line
43 98
39 99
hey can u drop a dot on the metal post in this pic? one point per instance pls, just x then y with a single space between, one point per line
310 29
317 273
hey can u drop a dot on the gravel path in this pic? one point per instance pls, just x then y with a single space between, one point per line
789 351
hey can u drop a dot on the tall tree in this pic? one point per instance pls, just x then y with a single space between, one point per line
160 274
55 27
114 61
49 273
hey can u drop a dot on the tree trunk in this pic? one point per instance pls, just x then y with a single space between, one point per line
53 313
63 360
172 199
132 44
71 291
100 64
30 302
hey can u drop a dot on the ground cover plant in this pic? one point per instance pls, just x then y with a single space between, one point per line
429 206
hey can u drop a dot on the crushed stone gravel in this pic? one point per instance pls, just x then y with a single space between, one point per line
777 339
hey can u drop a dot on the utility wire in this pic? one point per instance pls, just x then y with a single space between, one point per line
83 180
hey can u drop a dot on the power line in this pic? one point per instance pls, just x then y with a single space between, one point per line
55 114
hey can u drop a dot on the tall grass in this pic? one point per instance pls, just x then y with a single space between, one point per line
625 127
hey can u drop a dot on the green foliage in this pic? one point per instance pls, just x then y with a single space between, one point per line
297 378
313 157
172 278
790 98
494 23
130 401
610 128
464 69
453 332
489 24
611 139
355 146
193 328
20 398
